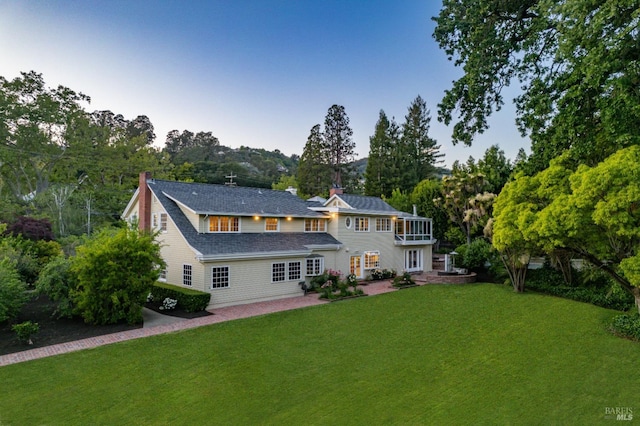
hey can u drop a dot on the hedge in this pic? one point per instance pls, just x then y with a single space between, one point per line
190 300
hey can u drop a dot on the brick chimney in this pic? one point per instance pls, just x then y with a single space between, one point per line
335 190
144 202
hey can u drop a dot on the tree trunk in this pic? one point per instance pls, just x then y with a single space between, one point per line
636 294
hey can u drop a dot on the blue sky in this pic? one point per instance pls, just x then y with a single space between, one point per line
254 73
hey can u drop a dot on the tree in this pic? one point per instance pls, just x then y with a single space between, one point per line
576 61
496 169
379 171
189 147
418 148
464 199
314 173
115 272
35 123
338 145
424 196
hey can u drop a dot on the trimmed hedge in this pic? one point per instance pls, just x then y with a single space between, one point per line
190 300
627 326
549 281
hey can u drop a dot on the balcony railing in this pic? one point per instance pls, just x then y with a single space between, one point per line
413 230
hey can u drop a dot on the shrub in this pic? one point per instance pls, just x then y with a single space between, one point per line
115 272
57 282
476 255
626 325
189 299
550 281
25 331
403 280
31 228
13 294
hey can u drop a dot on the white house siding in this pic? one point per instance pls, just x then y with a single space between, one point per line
356 243
250 281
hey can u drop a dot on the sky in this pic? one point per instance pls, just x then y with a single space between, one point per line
256 73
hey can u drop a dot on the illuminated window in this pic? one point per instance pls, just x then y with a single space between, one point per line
315 225
383 224
271 224
223 224
362 224
371 259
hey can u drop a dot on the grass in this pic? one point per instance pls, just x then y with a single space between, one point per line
476 354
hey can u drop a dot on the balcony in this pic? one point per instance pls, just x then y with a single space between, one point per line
413 231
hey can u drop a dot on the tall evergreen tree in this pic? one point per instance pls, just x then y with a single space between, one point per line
378 178
338 143
420 152
314 173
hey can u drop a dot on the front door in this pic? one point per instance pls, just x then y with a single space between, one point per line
355 266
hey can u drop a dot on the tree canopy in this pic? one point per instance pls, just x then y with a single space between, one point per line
575 60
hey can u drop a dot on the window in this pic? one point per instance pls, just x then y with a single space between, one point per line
223 224
187 275
315 225
271 224
163 222
371 259
277 272
362 224
383 224
219 277
315 266
154 220
294 271
347 223
163 275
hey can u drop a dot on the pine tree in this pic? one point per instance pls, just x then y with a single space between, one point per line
314 173
420 152
379 175
337 142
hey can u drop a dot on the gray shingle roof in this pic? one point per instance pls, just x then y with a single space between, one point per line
237 201
366 203
221 244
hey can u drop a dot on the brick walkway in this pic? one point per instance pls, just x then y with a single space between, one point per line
221 315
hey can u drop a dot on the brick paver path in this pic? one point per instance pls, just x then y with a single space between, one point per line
221 314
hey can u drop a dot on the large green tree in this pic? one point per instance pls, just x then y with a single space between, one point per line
338 143
592 213
35 124
575 60
314 173
419 151
379 174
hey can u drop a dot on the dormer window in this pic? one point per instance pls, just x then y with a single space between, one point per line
271 224
315 225
224 224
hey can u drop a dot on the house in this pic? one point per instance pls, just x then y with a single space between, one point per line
249 244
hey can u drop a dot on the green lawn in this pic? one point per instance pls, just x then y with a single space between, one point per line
475 354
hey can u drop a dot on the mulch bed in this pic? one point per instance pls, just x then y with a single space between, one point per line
54 331
155 306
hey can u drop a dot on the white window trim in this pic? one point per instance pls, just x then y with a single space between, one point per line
357 220
368 253
387 221
163 224
228 277
284 272
320 261
161 277
184 265
320 223
289 278
265 224
208 225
